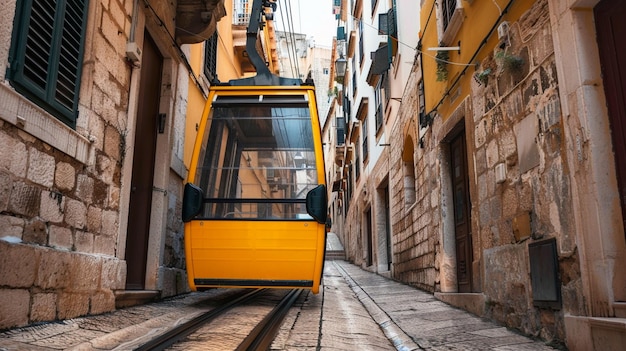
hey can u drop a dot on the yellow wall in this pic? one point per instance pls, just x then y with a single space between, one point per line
480 17
227 68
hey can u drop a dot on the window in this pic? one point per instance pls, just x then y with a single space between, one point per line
347 109
349 187
341 131
450 17
386 87
46 54
361 44
378 103
387 25
258 159
374 3
365 144
210 58
354 82
421 108
408 172
447 10
357 161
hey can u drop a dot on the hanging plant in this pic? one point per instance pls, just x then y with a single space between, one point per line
442 65
509 62
333 92
482 77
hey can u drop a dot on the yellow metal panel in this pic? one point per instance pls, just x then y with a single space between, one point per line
255 250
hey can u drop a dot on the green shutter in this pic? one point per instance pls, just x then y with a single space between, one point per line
47 51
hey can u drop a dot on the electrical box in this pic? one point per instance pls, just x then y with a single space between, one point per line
133 52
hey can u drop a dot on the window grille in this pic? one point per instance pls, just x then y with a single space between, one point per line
210 57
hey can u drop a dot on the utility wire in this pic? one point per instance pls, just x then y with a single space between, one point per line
291 33
287 39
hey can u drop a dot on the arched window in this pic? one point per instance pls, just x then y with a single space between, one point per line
408 171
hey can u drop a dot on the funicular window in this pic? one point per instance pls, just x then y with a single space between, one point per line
257 159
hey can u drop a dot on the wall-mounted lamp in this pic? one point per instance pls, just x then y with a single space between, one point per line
299 160
161 123
341 64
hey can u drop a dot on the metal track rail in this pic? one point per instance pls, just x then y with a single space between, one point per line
261 337
171 337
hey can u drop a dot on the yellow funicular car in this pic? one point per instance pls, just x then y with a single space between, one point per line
255 201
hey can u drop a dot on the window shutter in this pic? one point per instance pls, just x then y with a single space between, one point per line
392 27
341 33
70 55
48 49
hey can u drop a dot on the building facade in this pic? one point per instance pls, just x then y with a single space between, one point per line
93 97
505 166
369 97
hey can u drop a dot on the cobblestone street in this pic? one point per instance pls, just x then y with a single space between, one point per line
355 309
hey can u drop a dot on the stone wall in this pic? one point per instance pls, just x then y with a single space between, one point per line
512 121
413 216
40 283
60 210
518 125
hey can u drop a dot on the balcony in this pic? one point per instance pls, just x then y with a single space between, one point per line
196 20
340 154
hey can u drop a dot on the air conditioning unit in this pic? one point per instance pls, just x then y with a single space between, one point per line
503 30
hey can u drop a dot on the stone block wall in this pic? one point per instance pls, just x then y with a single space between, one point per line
518 125
39 283
60 208
58 234
512 120
414 221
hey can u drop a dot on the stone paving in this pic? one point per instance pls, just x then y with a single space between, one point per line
415 319
355 309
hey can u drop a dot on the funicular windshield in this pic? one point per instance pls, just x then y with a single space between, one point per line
257 159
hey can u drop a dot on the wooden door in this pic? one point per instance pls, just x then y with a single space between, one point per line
387 226
462 223
143 166
368 237
610 18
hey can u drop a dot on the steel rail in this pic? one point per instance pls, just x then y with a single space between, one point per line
176 334
261 337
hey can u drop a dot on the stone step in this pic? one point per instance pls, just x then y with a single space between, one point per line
127 298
